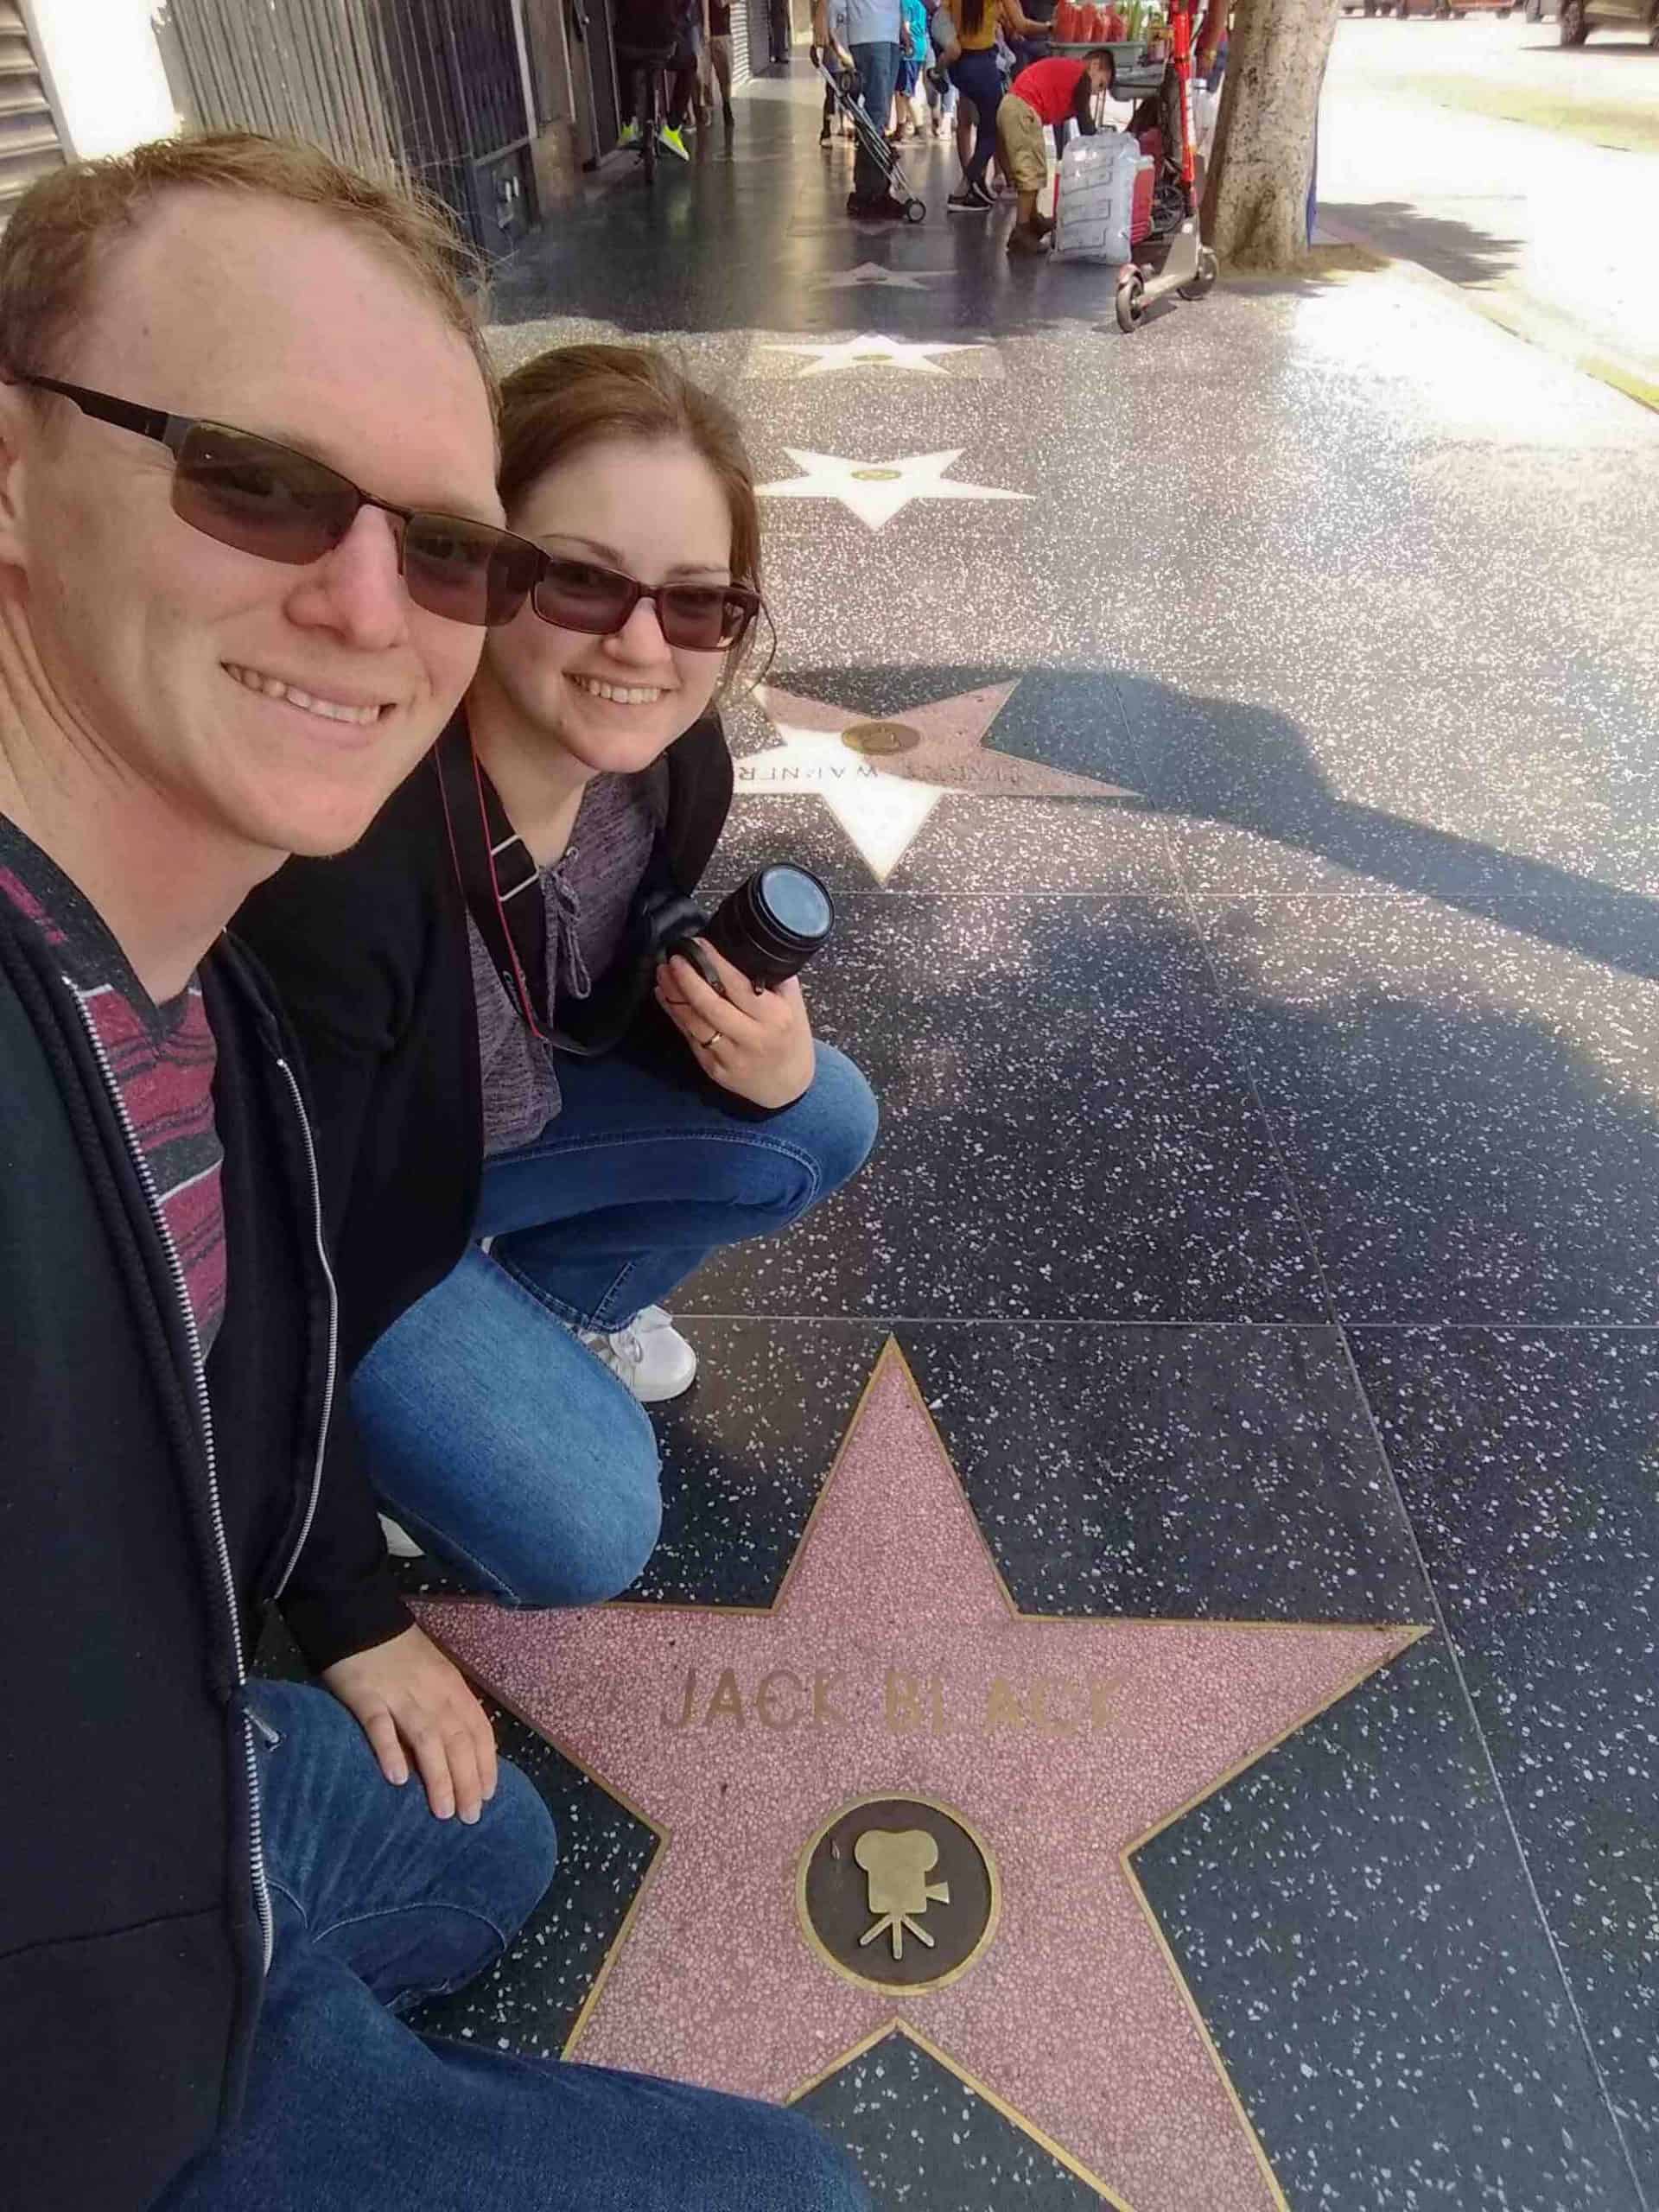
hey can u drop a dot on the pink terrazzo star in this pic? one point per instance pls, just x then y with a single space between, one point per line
882 797
1064 1742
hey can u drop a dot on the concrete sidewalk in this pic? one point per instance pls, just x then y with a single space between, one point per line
1526 175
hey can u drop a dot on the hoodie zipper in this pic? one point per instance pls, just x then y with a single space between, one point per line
204 1420
333 1327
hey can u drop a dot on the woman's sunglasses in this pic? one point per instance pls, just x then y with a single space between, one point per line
696 618
267 499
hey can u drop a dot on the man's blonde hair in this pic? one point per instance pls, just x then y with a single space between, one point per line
67 222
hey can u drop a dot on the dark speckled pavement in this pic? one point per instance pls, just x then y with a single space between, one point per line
1267 1205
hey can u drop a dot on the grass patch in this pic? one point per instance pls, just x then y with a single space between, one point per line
1627 130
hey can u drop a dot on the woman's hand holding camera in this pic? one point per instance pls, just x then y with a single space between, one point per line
756 1044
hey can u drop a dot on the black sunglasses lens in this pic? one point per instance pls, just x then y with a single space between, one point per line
697 618
581 596
260 498
466 570
700 618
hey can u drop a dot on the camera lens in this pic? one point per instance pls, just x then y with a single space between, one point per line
796 902
772 924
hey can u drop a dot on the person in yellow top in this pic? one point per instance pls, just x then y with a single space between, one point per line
965 34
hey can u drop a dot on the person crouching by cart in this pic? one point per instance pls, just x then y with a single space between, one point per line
1048 93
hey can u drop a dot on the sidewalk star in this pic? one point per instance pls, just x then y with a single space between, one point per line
875 490
872 272
881 779
870 350
894 1671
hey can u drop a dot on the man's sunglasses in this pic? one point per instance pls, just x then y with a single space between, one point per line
696 617
267 499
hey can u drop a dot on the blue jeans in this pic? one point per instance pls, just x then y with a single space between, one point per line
979 80
877 62
494 1435
378 1904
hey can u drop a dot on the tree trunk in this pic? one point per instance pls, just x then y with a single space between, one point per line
1255 197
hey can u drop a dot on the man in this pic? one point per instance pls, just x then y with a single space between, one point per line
717 45
1048 93
868 37
653 36
216 650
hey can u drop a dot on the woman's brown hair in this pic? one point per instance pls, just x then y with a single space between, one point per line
573 397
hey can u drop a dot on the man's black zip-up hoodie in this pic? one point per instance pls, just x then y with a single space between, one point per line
133 1928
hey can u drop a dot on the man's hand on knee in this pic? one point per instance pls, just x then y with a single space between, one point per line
414 1702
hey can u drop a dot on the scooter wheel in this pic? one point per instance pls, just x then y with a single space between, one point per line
1204 280
1131 302
915 210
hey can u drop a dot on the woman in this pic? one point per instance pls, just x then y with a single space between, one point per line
508 1210
968 40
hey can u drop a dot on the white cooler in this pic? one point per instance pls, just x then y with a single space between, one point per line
1094 209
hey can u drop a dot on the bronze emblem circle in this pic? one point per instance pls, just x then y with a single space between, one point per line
877 475
880 738
842 1902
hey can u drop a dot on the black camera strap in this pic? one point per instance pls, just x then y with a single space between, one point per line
499 879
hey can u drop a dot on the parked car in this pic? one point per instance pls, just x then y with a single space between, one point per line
1580 17
1443 10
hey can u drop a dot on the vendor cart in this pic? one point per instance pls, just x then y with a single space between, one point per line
1172 258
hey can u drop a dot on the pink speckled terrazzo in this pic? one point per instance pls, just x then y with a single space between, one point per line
1063 1742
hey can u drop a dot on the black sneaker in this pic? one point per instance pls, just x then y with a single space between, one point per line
970 200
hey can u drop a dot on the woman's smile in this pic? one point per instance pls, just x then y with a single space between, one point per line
621 695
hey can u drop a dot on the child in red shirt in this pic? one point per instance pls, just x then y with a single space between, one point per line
1056 90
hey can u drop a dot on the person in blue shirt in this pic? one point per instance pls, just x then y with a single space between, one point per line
910 61
873 42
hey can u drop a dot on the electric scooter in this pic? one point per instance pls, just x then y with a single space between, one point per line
1172 260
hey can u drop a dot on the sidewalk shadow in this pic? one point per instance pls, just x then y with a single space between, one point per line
1253 769
1459 251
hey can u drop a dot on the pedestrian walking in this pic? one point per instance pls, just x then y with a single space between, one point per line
649 36
906 122
719 51
941 92
969 48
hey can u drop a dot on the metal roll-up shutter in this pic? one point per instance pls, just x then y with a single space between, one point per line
29 132
742 59
752 18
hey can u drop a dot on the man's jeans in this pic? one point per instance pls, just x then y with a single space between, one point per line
378 1904
496 1437
878 73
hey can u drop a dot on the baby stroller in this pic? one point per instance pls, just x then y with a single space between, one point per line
872 137
1172 257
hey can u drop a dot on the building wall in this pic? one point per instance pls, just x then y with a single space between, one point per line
106 70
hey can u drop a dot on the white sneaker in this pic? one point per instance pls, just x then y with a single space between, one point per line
399 1542
650 1356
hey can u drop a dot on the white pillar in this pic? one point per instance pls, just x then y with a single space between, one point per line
105 71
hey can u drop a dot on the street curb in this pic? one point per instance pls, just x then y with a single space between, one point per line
1532 326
